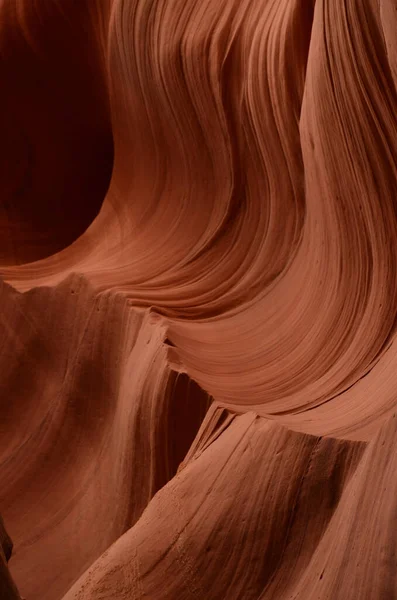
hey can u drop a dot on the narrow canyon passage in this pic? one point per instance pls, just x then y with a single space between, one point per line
198 285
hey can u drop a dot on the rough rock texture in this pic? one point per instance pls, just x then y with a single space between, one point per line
198 299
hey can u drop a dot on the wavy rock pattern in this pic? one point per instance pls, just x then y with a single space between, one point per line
198 299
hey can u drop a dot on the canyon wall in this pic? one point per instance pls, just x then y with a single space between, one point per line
198 265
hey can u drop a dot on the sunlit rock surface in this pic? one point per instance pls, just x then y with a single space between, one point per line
198 263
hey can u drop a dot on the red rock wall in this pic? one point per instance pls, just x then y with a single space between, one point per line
198 233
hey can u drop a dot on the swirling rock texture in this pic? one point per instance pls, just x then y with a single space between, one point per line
198 299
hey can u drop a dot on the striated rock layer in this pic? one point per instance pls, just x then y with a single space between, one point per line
198 367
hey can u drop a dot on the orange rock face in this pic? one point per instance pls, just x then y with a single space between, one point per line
198 368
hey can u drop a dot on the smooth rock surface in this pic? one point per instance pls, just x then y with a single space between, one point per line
198 299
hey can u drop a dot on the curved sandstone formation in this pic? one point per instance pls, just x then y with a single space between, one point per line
199 299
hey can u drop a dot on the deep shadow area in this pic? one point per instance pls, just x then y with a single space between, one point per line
56 142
